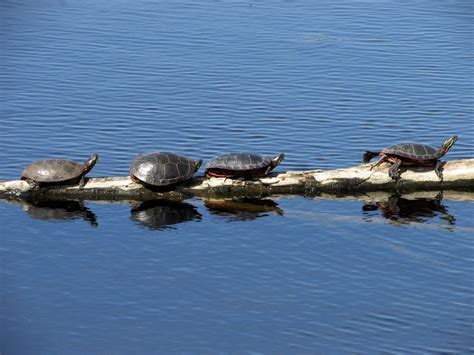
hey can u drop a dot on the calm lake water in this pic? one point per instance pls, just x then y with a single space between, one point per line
321 81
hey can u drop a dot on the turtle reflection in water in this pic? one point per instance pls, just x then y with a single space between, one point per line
242 209
161 214
402 210
58 210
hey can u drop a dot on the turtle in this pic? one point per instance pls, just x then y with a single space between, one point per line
403 154
162 170
52 172
242 165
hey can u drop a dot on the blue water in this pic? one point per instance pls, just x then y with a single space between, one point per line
321 81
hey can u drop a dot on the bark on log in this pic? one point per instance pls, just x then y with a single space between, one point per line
458 175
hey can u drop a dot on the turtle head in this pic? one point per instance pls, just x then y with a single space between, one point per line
89 164
448 144
277 160
197 165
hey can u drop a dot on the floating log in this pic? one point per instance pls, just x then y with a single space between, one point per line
458 175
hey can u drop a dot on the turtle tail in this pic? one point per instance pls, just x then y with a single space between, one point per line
369 155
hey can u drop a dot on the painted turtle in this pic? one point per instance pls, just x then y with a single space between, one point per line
57 172
411 154
242 165
162 169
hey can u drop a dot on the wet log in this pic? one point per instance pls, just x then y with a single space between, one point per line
458 175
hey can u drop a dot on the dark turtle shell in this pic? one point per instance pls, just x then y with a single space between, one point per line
418 152
53 171
162 169
242 164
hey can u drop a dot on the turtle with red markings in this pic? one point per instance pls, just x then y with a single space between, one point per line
242 165
405 154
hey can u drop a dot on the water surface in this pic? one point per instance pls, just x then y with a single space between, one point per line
321 81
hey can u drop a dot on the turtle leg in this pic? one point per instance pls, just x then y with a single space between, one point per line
394 170
377 163
33 184
82 182
439 169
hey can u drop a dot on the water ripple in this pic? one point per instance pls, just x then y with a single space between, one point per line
259 82
322 81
